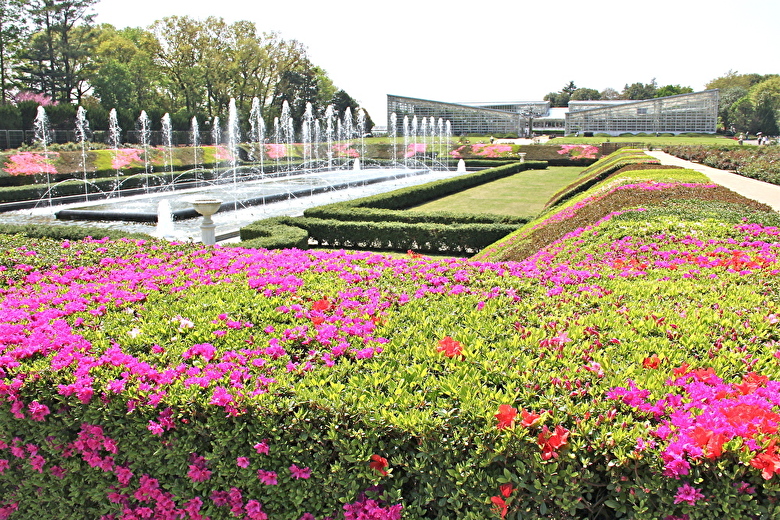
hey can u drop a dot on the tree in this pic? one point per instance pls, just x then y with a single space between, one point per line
126 77
557 99
569 89
637 91
63 44
178 51
610 93
765 97
672 90
734 79
728 97
585 94
13 29
743 116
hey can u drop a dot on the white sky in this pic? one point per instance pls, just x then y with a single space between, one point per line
498 51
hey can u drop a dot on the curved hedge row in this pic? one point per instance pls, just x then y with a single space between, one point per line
599 171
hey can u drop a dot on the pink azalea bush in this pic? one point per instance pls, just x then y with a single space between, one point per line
413 149
124 157
221 153
344 150
275 151
30 163
484 150
579 151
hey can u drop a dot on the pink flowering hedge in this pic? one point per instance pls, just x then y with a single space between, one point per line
629 369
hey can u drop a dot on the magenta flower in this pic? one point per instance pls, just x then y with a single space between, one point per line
262 447
29 163
299 473
242 462
38 411
688 494
269 478
198 474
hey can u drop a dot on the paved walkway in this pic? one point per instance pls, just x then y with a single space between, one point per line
757 190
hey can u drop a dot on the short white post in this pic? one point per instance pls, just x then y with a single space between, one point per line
522 156
207 207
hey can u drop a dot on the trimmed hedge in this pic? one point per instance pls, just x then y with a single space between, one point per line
274 233
599 171
400 236
378 222
67 232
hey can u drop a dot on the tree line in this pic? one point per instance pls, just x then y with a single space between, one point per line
53 53
749 103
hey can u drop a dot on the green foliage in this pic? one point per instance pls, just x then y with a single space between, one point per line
275 233
379 222
66 232
11 116
599 171
553 337
757 162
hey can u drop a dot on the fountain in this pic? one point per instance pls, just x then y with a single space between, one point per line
164 228
114 138
167 134
195 143
251 192
82 131
43 138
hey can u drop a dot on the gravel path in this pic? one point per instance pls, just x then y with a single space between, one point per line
757 190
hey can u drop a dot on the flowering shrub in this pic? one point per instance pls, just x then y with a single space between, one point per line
630 368
345 150
492 150
484 150
42 99
579 151
221 153
413 149
30 163
124 157
275 151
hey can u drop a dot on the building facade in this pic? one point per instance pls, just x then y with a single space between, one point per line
696 112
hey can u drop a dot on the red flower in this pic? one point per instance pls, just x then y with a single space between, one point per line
379 464
506 416
499 506
450 348
529 418
711 442
768 462
506 489
551 441
651 362
682 370
322 305
751 382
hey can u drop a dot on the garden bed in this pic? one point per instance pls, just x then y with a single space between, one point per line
627 370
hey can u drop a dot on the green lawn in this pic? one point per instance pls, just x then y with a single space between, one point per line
523 194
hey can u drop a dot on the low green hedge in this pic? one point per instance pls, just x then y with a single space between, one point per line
378 222
274 233
400 236
599 171
68 232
